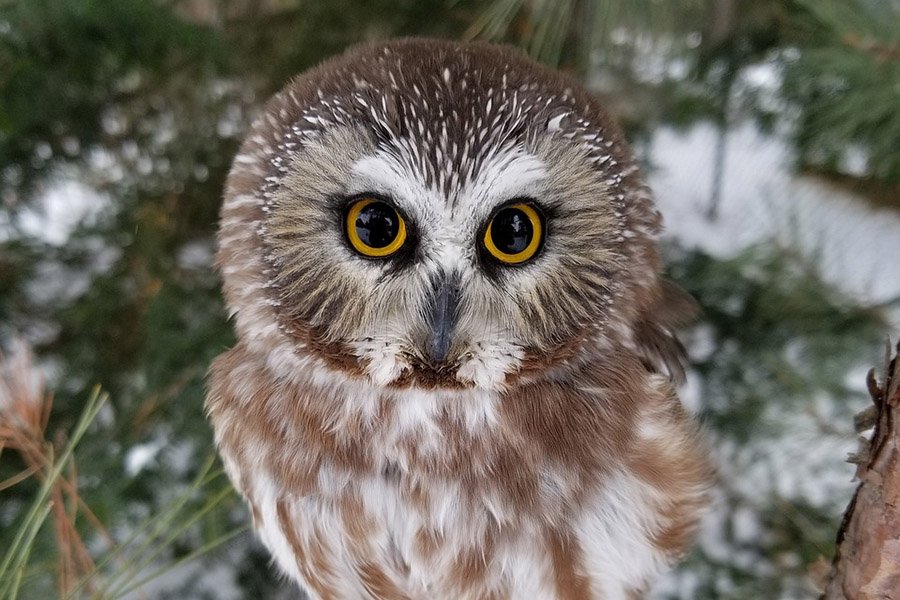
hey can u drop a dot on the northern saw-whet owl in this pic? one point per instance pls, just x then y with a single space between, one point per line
453 372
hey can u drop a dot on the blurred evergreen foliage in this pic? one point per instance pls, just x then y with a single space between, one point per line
840 64
638 53
776 335
770 358
144 102
568 33
70 66
845 83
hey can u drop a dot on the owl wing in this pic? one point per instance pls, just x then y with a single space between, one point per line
654 331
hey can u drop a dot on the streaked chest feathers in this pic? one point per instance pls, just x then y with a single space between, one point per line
573 490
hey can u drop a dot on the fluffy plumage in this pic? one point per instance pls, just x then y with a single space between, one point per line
545 456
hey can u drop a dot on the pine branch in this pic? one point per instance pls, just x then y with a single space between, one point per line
880 51
867 561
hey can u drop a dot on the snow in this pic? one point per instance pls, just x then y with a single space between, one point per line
218 579
852 243
140 456
196 255
65 205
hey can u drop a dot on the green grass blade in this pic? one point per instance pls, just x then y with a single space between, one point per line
151 528
135 569
206 548
11 590
37 514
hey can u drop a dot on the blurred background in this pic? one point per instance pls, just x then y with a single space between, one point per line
769 130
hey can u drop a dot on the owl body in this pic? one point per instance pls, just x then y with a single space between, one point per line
450 380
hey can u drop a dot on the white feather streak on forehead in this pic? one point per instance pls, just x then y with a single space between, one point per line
508 174
384 173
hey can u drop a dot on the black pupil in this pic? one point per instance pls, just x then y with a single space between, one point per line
377 225
511 231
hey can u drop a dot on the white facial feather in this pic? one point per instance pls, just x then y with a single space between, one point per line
449 230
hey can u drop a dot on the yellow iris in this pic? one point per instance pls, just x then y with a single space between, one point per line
374 228
506 215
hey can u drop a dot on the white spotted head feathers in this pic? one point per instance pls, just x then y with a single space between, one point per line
446 135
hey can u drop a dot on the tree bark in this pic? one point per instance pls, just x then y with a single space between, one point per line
866 565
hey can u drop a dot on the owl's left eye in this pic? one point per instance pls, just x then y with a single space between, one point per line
374 228
514 234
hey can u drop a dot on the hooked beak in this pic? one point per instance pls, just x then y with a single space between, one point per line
444 308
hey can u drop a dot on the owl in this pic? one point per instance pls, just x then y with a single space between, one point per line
455 354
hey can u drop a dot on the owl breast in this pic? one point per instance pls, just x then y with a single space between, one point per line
574 490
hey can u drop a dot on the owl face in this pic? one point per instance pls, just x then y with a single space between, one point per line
438 215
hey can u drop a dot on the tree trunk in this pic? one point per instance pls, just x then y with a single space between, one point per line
867 561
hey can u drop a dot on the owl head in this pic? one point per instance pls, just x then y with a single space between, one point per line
435 214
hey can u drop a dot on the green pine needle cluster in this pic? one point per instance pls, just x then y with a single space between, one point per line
844 79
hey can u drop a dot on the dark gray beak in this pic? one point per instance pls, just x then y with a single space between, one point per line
444 311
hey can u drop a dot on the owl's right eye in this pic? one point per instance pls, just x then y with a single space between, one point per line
374 228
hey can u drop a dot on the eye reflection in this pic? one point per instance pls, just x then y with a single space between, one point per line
374 228
511 231
377 225
514 234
